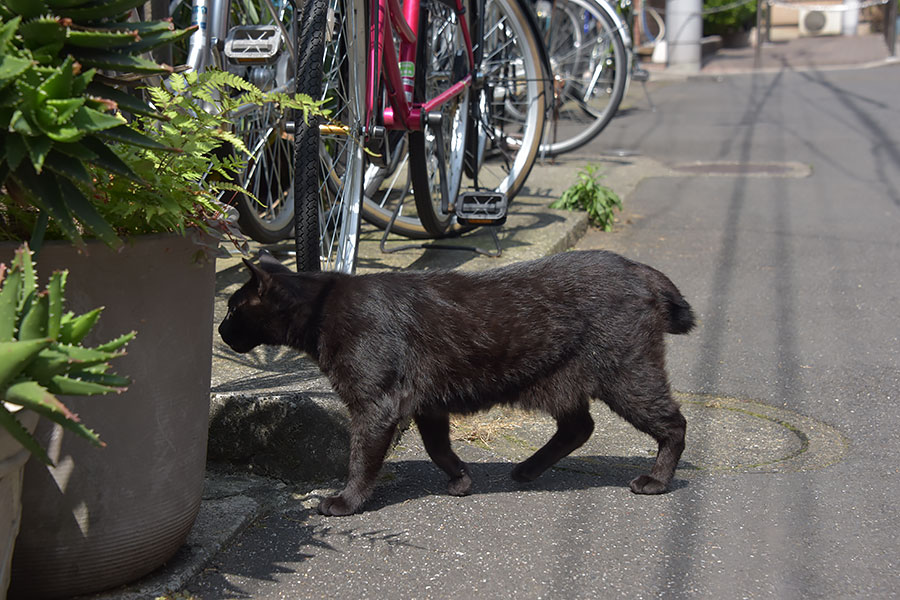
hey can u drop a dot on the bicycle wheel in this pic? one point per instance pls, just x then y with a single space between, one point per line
330 162
440 63
510 108
590 69
268 217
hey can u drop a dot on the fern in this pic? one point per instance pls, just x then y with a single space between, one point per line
202 159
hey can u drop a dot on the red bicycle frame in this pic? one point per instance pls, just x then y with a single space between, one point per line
384 64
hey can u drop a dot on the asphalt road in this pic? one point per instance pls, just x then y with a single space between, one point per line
792 268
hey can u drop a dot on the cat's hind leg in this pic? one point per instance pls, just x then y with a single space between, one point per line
435 432
658 415
573 428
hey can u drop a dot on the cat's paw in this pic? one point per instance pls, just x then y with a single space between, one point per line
523 474
647 485
336 506
460 486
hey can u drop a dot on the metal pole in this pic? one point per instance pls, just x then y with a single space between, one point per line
890 26
757 54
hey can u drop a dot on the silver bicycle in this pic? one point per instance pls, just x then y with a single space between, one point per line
591 55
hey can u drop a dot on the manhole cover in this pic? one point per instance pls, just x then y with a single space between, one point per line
744 169
724 435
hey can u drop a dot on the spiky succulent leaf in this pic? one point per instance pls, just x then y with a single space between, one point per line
93 38
34 320
98 10
28 9
9 304
36 367
15 356
10 423
56 290
117 343
73 329
68 386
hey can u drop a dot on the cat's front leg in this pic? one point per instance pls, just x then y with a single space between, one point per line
370 437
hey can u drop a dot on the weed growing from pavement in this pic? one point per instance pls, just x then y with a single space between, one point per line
592 196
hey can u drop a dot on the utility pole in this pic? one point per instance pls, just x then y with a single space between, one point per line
684 28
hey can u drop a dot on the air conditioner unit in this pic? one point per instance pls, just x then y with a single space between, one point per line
819 22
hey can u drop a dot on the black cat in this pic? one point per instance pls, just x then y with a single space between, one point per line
548 335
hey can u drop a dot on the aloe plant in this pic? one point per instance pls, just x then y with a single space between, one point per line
62 64
42 355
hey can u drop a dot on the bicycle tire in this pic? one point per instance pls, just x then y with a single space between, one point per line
329 169
440 63
510 109
590 75
268 216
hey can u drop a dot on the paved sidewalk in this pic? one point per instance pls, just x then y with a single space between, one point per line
797 54
771 498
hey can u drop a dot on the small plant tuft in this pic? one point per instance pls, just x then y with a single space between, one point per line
592 196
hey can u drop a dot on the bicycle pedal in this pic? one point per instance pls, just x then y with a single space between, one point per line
253 43
481 208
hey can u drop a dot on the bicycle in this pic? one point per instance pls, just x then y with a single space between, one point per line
417 110
258 40
590 52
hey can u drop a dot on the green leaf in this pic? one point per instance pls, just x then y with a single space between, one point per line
8 31
23 262
73 330
9 422
43 31
107 159
47 363
26 8
107 379
38 148
92 38
125 102
98 10
20 124
16 150
44 191
12 67
117 343
9 304
56 288
71 168
88 120
15 356
122 62
71 361
57 4
65 108
87 214
34 321
42 401
154 40
141 27
127 135
67 386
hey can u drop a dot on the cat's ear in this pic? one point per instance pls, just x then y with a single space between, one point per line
258 277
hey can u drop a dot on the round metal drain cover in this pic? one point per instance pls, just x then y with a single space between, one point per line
724 435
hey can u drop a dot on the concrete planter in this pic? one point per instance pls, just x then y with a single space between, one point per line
12 463
105 517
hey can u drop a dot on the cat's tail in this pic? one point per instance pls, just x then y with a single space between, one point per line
678 313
